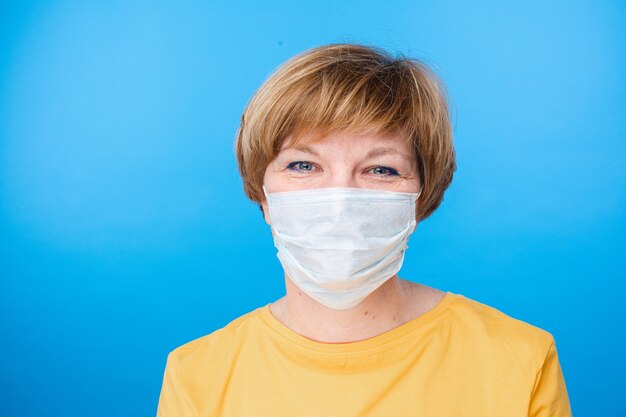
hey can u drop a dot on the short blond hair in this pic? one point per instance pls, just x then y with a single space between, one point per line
350 88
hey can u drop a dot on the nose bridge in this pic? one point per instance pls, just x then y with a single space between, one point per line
342 174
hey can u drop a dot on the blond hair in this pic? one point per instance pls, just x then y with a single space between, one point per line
350 88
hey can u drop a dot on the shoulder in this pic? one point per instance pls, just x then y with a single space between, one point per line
484 318
478 319
214 348
197 372
498 334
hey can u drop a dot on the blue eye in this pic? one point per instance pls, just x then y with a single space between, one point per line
300 166
384 171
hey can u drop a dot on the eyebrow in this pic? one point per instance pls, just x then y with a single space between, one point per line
379 151
385 150
306 149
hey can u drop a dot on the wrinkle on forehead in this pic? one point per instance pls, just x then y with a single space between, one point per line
301 139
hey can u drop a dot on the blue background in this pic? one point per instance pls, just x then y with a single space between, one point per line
124 230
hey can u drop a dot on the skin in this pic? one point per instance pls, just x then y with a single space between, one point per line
360 161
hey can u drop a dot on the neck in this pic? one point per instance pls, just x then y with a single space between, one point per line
384 309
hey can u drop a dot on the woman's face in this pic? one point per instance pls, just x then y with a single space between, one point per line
344 160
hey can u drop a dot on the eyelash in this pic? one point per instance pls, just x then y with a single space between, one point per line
293 166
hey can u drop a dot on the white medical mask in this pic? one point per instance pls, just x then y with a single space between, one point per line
338 245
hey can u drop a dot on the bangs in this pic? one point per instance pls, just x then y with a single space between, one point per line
350 98
369 100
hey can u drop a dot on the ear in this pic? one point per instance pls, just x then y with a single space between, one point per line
266 212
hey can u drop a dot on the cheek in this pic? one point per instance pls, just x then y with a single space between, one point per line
277 179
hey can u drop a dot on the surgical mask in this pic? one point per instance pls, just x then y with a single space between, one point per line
338 245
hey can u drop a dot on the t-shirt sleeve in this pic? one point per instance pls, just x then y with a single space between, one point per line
172 401
549 396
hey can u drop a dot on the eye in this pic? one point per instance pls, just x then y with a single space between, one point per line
384 171
301 166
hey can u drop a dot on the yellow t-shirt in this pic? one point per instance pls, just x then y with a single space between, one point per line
461 358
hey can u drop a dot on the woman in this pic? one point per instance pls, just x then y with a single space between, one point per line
346 148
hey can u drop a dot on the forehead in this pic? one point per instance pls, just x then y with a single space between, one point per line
352 140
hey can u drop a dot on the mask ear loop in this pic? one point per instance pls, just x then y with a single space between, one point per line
419 192
266 199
